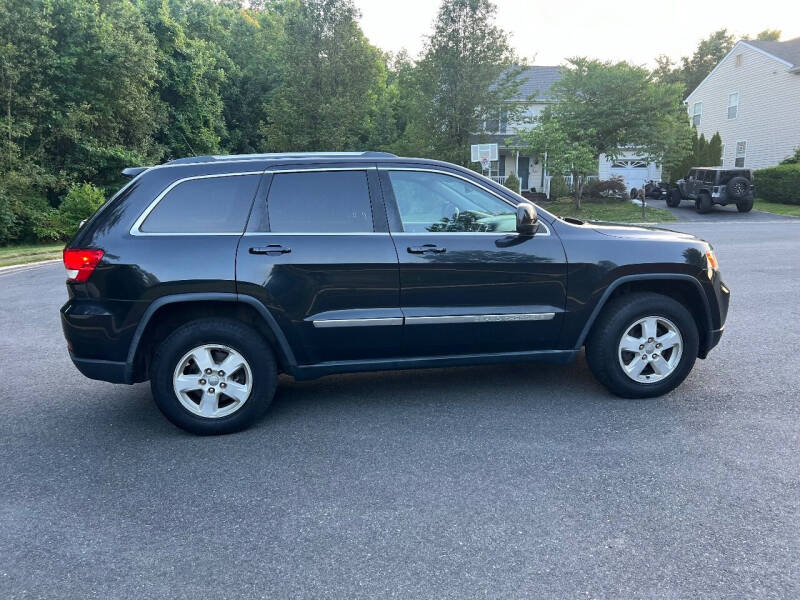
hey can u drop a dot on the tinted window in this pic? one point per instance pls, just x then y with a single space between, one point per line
320 202
206 205
437 202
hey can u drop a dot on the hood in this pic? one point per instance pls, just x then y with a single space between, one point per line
641 233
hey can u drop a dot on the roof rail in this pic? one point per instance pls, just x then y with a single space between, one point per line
274 155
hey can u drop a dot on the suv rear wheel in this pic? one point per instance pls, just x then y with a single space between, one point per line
643 345
213 376
703 203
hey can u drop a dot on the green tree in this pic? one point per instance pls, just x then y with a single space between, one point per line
330 82
250 37
465 76
191 73
567 153
714 152
767 35
693 69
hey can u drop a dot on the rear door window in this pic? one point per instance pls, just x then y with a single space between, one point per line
320 202
205 205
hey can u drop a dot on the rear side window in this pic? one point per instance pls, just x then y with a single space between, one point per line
204 205
320 202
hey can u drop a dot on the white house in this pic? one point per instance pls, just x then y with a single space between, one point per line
534 94
752 98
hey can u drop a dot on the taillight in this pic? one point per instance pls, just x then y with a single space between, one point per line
80 264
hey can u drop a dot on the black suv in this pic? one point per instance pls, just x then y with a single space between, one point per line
209 276
714 185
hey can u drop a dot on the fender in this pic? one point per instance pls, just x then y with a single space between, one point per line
206 297
642 277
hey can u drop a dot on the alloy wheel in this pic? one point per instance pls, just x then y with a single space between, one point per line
650 349
212 381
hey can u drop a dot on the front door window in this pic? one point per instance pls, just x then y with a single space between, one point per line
434 202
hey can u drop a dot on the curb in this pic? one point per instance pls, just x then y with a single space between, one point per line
27 266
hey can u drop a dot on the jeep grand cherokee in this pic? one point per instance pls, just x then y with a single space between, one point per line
209 276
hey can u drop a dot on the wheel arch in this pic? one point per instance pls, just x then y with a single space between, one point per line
168 312
681 287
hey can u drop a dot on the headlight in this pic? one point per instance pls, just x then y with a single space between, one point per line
711 264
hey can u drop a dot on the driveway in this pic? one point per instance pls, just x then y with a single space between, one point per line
719 214
513 481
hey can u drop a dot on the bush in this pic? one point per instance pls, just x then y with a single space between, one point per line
558 187
603 188
80 203
794 159
778 184
512 183
8 218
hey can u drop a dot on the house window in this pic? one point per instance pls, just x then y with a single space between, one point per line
697 114
733 105
497 168
738 60
722 156
741 151
497 122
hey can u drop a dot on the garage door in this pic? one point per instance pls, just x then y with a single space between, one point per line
633 172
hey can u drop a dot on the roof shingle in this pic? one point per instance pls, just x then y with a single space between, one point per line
536 82
788 50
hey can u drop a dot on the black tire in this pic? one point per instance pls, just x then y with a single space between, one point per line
703 203
674 198
603 342
744 205
737 189
226 332
634 193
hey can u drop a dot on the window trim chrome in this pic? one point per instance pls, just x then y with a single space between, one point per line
136 227
476 184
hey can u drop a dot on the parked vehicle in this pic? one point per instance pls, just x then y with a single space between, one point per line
656 190
714 185
210 276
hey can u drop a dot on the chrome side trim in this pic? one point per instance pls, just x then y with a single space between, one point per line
366 322
452 319
437 320
136 228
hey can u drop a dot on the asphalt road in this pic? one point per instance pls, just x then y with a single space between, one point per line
516 481
686 211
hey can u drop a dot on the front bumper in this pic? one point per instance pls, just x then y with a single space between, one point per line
722 295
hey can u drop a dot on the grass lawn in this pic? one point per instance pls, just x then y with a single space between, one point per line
792 210
619 211
17 255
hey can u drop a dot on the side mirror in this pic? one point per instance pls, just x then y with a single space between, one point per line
527 219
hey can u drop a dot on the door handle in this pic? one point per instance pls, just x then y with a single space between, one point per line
272 249
425 248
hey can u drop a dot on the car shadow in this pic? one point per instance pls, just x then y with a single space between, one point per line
484 391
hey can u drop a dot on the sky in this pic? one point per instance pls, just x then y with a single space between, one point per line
546 33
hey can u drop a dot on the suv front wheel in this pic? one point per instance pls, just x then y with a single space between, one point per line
703 203
744 205
674 198
213 376
643 345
